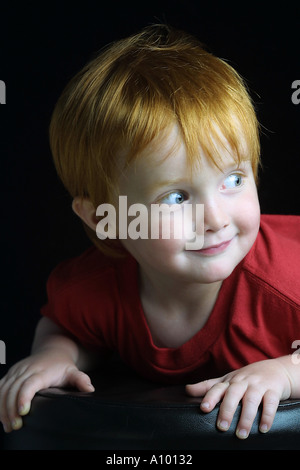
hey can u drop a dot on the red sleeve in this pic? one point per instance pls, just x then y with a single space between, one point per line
275 258
81 300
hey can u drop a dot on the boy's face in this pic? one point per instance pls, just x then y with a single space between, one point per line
231 211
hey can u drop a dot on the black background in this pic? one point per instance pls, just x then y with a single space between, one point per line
42 45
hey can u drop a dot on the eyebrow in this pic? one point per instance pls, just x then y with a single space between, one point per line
235 166
175 182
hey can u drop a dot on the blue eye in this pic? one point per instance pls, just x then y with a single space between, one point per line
232 181
176 197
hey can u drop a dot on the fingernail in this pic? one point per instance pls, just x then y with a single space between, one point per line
263 428
6 427
242 433
205 405
223 425
24 409
17 423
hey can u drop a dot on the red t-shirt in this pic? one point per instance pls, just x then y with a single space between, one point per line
256 315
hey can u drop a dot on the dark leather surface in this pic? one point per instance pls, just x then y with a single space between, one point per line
127 412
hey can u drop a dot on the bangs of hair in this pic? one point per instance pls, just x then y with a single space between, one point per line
157 81
215 117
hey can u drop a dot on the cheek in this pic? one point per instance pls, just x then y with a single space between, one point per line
166 229
247 216
163 247
162 237
154 252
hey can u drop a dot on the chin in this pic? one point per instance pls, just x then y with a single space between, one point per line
218 273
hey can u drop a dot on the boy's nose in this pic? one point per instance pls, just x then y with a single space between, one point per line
215 217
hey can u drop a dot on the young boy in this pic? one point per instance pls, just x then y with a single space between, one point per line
157 120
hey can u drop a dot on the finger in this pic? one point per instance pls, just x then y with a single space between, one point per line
16 393
232 397
79 380
8 405
270 405
19 397
3 409
250 404
213 396
201 388
8 398
21 393
9 387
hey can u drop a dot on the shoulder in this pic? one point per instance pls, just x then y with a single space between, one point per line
275 256
84 297
89 272
281 227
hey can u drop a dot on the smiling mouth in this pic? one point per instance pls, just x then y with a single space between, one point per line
215 249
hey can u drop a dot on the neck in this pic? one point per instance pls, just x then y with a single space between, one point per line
175 311
190 298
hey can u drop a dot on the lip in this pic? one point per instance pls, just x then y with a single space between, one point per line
215 249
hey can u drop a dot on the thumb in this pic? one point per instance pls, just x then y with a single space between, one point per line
79 380
199 389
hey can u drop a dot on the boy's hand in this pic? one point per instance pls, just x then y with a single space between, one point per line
265 381
24 379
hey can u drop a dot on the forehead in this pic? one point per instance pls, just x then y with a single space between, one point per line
169 147
165 161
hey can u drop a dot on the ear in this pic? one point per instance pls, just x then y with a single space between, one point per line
86 211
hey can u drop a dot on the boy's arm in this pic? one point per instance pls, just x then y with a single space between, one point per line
265 382
56 361
49 335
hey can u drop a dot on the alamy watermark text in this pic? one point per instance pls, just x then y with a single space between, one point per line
296 94
2 352
2 92
175 221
